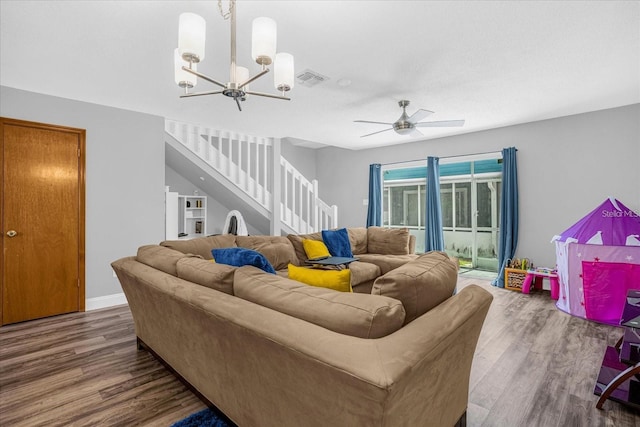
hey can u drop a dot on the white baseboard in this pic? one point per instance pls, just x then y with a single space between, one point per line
105 301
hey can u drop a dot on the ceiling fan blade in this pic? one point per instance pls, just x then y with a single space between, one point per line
380 131
376 123
419 115
415 133
442 124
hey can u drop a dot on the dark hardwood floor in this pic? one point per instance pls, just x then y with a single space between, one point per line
534 366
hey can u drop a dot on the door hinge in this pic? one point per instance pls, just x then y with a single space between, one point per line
78 153
78 282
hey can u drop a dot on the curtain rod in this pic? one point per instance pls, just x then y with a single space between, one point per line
445 157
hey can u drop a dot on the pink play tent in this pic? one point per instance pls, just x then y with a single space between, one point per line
598 260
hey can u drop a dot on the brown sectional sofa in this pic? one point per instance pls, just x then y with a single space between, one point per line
269 351
379 250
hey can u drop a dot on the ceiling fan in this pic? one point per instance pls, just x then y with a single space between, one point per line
406 125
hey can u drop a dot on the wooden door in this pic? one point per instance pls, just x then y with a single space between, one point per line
42 214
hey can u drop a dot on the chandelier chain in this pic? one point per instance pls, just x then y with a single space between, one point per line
227 14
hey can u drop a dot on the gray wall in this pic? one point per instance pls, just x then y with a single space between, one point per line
566 167
124 176
302 158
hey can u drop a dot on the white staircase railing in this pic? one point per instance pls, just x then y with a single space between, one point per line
302 209
248 163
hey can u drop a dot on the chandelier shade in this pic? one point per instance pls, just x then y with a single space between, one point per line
183 78
192 30
283 72
264 36
242 75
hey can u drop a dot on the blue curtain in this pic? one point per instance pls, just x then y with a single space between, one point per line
508 240
374 213
434 239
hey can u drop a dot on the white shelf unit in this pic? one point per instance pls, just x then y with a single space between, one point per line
192 216
185 215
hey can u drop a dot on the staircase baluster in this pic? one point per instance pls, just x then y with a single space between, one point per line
240 171
227 166
265 170
207 145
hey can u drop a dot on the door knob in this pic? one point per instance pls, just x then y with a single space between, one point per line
12 233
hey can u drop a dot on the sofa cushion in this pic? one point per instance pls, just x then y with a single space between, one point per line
296 242
358 239
339 280
202 245
337 242
358 315
278 249
412 244
386 263
363 272
239 257
388 241
207 273
315 249
161 258
420 284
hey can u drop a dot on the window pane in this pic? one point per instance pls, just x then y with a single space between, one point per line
499 202
404 205
484 203
446 201
463 204
385 206
423 206
396 205
411 208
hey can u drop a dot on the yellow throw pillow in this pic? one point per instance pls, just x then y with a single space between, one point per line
339 280
315 249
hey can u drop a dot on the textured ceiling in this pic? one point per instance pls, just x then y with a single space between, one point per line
490 63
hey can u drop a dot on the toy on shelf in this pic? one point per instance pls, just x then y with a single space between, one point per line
515 273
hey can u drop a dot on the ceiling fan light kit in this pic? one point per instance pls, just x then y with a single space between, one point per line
190 51
407 125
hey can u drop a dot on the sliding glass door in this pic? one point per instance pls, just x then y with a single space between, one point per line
470 209
487 225
470 220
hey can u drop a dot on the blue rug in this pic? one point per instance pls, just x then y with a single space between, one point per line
204 418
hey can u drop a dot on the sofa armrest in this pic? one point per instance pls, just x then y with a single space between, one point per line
432 357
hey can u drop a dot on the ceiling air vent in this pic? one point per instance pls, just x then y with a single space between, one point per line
310 78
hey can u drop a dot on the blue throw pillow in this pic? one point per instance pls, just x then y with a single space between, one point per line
239 257
337 242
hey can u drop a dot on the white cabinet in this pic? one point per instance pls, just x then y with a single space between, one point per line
186 216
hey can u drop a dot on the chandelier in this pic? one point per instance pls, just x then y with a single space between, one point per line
190 51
